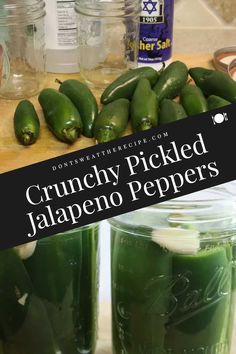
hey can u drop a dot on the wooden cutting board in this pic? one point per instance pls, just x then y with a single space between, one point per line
13 155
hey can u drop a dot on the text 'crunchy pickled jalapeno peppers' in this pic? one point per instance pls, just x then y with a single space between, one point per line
193 100
61 115
213 82
26 123
144 107
215 102
84 100
124 86
170 111
112 120
171 81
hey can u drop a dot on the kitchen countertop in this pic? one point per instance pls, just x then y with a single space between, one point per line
13 155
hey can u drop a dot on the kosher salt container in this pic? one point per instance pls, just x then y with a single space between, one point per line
173 276
48 295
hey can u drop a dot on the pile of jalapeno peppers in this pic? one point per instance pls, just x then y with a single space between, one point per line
145 97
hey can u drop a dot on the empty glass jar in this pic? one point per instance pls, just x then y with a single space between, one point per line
108 34
174 277
22 52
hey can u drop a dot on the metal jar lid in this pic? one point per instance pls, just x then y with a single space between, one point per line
223 57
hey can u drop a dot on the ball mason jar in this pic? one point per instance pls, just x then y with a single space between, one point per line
173 277
108 34
22 48
48 295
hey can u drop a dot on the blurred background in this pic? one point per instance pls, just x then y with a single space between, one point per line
202 26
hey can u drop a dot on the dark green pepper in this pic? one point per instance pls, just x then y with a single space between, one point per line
144 107
124 86
141 275
22 313
61 115
86 325
84 101
213 82
215 102
200 322
171 111
171 81
112 121
56 281
26 123
193 100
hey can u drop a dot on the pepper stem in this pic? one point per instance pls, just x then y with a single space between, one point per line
106 134
58 81
70 134
27 139
145 125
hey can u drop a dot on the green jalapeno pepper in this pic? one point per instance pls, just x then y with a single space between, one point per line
26 123
215 102
144 107
84 101
112 120
171 81
61 115
124 86
193 100
213 82
171 111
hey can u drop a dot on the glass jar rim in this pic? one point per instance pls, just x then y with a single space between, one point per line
215 215
108 8
14 13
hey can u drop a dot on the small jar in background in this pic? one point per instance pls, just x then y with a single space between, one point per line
108 36
22 53
232 69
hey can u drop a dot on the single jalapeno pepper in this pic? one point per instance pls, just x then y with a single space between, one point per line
193 100
171 81
61 115
26 123
191 325
124 86
171 111
144 107
215 102
213 82
111 121
84 101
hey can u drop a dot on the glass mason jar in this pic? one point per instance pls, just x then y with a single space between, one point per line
173 277
108 34
22 52
48 295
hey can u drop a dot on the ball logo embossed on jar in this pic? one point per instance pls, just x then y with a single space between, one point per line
195 300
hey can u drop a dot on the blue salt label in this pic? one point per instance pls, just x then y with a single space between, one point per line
156 31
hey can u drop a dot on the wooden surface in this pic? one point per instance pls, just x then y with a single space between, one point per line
13 155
